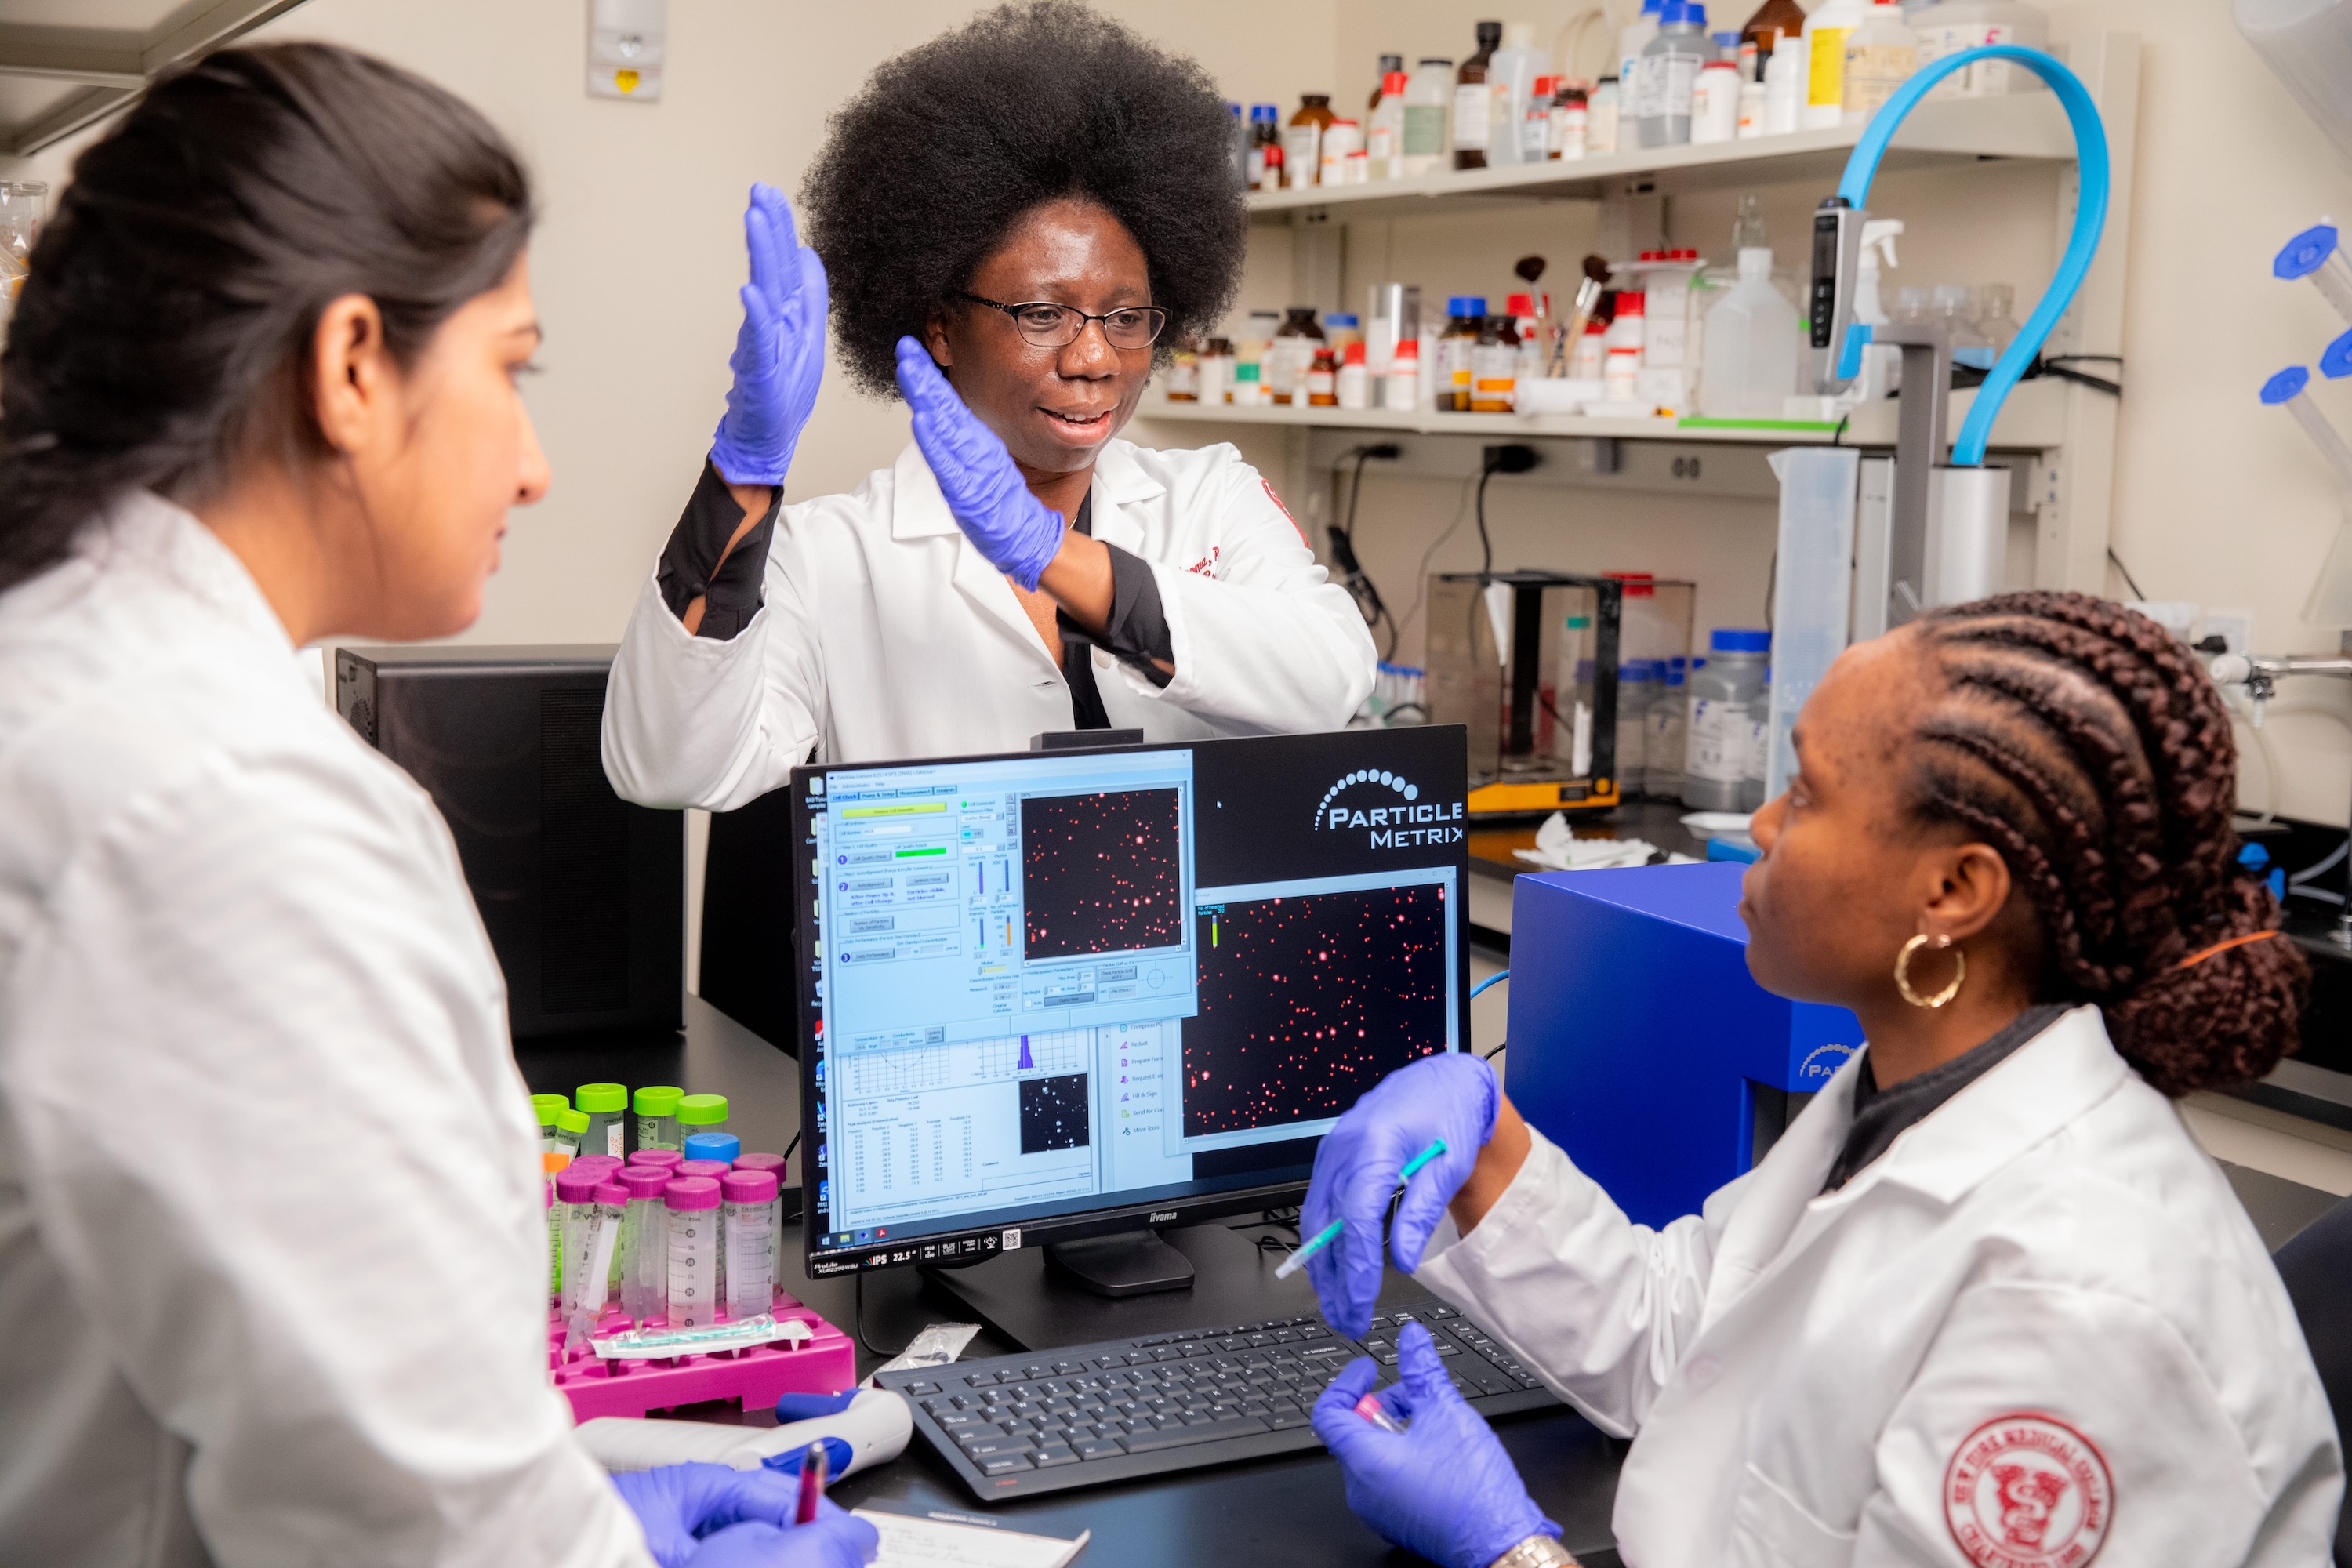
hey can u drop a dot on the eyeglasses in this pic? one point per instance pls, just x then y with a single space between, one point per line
1052 326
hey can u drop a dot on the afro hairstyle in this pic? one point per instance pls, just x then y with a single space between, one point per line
946 147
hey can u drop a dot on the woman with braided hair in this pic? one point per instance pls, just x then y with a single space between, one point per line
1986 1302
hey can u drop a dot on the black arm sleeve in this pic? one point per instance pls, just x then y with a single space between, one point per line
731 595
1137 632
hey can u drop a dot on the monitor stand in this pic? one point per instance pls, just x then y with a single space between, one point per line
1134 1263
1037 1306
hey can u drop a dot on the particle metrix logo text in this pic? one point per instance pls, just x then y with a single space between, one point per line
1391 809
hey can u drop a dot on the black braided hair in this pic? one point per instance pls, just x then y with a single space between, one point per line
2082 741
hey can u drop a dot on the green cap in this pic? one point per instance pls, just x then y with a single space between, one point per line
547 1105
571 1121
702 1110
659 1101
603 1097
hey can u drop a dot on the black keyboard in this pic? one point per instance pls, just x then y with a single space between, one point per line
1045 1421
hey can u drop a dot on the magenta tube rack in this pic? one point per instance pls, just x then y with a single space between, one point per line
756 1375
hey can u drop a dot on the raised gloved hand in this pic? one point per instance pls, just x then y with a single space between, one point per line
831 1540
1444 1487
1450 1096
1012 528
779 360
679 1505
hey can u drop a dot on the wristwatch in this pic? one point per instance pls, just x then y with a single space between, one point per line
1535 1551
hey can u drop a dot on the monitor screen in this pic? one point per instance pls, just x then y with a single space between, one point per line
1060 993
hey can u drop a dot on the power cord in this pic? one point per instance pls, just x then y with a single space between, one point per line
2128 580
1510 460
1358 581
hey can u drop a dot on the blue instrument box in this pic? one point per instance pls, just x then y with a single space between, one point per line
1639 1042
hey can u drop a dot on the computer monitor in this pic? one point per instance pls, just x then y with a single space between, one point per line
1057 996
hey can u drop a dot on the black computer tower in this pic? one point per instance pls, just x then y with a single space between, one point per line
582 893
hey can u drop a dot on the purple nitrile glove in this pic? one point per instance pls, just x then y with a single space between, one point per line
1451 1095
1443 1487
778 359
1012 528
679 1505
831 1540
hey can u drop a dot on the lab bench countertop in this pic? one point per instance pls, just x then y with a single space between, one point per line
1289 1511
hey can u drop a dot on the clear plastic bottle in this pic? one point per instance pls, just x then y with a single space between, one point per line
1722 692
1473 100
1571 736
750 1242
1511 82
1428 113
1994 306
1881 54
1970 346
692 1203
1666 749
1456 372
1752 347
1637 689
1669 74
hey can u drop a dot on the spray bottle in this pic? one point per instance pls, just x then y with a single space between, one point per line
1882 364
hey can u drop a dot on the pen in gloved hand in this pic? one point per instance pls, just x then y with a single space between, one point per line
1332 1232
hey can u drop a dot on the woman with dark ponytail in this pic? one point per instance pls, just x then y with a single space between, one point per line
273 1253
1986 1302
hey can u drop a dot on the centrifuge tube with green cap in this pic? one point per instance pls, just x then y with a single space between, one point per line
607 1108
750 1242
701 1113
571 1126
644 1246
693 1205
547 1108
657 1108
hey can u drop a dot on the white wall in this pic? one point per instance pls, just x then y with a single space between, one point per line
2217 500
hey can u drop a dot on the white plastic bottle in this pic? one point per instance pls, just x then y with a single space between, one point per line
1880 55
1401 385
1622 345
1510 85
1714 103
1384 137
1956 24
1669 74
1353 382
1635 38
1751 347
1824 44
1784 89
1428 106
1604 118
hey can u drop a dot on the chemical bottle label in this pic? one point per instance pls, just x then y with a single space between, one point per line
1718 741
1470 103
1424 130
1825 82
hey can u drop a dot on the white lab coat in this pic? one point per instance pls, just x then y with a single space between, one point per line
2041 1291
273 1259
884 634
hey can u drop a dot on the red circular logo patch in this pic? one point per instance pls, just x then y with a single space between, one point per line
2026 1492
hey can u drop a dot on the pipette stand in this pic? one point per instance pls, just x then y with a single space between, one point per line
827 1363
1922 443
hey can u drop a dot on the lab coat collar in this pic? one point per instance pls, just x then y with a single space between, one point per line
144 530
2050 1082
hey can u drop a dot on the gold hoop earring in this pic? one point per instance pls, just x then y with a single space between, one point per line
1903 970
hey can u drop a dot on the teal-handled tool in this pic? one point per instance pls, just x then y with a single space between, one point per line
1332 1232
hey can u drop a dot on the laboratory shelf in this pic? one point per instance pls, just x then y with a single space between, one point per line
2023 127
2033 419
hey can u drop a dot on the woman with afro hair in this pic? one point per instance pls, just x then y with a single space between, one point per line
1986 1300
1014 223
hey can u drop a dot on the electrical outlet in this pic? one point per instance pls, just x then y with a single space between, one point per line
2235 627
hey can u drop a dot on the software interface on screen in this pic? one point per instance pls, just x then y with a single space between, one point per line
1029 1003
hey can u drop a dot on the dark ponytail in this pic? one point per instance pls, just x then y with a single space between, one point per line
2085 742
162 335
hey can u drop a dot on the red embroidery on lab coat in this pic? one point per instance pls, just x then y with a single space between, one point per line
2027 1491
